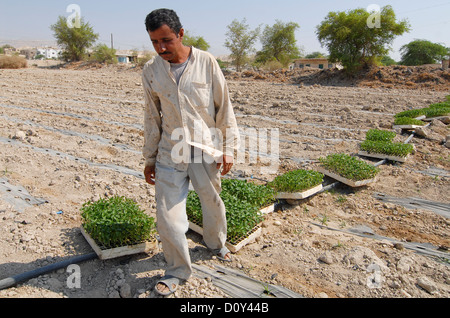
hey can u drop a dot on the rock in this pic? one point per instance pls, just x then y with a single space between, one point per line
19 135
125 291
114 294
326 258
427 284
404 264
363 257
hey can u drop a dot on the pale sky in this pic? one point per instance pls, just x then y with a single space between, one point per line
30 20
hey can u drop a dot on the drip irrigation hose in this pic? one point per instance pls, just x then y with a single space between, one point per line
14 280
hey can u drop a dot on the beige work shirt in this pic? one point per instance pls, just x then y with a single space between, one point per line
195 113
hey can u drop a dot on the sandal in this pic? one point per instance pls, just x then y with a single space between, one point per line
223 254
171 282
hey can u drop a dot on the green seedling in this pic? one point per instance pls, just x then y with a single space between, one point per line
116 222
296 181
243 201
349 167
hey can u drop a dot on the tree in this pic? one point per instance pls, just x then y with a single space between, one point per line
421 52
279 43
315 55
74 41
196 41
240 41
387 61
353 40
104 54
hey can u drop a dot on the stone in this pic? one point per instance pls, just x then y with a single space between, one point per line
427 284
326 258
125 291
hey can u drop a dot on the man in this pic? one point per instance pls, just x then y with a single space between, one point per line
187 113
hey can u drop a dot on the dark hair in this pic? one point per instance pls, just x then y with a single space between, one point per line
158 18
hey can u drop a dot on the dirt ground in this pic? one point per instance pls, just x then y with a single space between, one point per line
72 135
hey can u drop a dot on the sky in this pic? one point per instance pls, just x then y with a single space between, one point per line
30 20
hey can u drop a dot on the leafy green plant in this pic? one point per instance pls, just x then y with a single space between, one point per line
387 148
296 181
380 135
408 121
243 201
441 105
349 167
411 113
258 195
437 111
116 222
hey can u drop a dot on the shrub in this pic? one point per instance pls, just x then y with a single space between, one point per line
349 167
116 222
12 62
296 181
104 54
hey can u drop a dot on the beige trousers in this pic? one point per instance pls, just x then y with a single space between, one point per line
171 189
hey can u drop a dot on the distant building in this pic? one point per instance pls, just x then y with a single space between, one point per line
126 56
320 63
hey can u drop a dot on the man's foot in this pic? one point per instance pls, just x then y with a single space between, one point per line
224 255
167 285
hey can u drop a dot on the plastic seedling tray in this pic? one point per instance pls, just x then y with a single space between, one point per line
349 182
109 253
240 243
382 156
299 195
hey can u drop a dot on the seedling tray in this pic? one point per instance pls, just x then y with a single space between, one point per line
299 195
382 156
250 237
109 253
351 183
407 127
444 119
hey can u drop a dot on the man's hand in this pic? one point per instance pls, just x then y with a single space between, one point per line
149 173
227 164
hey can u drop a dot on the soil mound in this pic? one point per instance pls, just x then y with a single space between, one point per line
398 76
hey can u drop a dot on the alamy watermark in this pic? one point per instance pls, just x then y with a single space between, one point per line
374 19
374 279
254 146
74 279
74 19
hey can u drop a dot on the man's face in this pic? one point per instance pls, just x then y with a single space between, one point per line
166 43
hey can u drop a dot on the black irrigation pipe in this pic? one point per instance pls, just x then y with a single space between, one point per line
20 278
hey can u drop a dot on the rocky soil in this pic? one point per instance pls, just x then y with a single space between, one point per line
72 135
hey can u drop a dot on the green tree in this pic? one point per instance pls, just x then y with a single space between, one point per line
279 43
240 41
104 54
355 42
196 41
315 55
386 60
74 41
421 52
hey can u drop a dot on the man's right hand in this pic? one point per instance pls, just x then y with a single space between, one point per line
149 173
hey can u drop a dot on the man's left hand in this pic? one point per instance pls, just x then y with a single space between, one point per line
227 164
